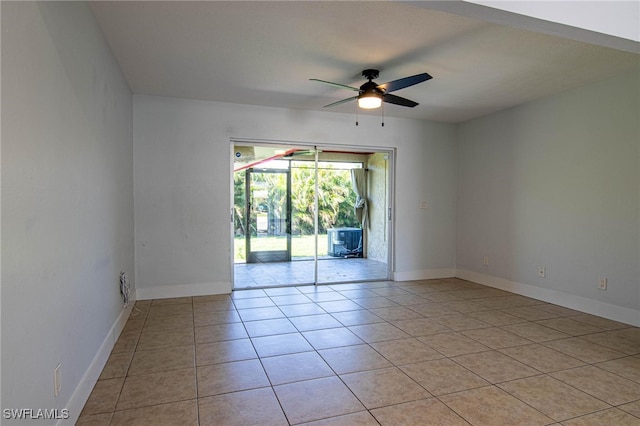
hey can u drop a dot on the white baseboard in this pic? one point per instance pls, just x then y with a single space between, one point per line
183 290
426 274
582 304
83 390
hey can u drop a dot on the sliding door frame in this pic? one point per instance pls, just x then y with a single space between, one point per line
390 194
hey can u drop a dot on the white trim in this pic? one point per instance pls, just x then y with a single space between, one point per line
183 290
579 303
81 393
426 274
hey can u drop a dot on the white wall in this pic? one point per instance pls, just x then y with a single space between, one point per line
67 203
556 183
182 186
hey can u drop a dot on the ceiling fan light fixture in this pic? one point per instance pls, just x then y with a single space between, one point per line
370 100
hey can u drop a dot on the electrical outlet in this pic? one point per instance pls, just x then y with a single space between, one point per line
542 271
602 283
57 384
485 261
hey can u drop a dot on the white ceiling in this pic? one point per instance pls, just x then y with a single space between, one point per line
265 52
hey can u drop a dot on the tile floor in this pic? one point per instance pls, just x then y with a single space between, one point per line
435 352
330 270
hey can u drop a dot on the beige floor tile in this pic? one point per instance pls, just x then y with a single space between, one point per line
443 376
183 413
496 318
339 306
170 310
443 296
156 339
493 406
560 311
325 296
213 298
299 310
296 367
600 322
432 309
203 307
362 418
134 324
357 318
570 326
230 377
453 344
407 300
152 361
395 313
387 386
316 399
157 388
171 301
290 299
420 326
257 314
612 416
220 332
247 294
465 306
553 397
117 365
215 318
614 341
375 302
460 322
255 302
530 313
507 300
628 367
378 332
583 350
632 408
542 358
169 322
349 359
127 342
632 332
406 351
227 351
315 322
103 397
231 409
606 386
535 332
423 412
95 420
281 344
496 338
269 327
495 367
331 338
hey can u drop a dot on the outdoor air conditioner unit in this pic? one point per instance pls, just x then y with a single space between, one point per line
344 242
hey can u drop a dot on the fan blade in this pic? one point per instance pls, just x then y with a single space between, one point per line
394 85
336 84
341 102
397 100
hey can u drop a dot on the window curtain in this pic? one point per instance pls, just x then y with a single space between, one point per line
359 183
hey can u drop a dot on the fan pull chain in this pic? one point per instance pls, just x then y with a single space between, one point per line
382 112
356 113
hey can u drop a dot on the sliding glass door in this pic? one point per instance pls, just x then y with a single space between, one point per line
303 215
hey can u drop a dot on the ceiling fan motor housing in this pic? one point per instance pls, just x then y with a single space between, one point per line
370 74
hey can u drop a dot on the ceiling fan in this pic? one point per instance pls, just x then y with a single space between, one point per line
371 94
